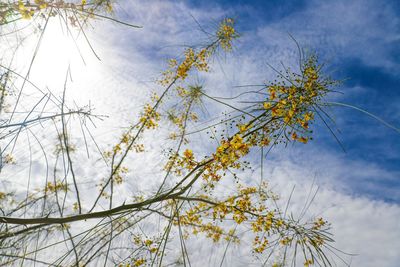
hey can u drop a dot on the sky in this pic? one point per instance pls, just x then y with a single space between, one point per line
359 42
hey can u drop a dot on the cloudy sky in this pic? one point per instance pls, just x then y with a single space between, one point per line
359 41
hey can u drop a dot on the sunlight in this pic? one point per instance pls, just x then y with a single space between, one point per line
46 56
59 50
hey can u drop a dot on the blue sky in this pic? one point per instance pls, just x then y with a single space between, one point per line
358 40
363 51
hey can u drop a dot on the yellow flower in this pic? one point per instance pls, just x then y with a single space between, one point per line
109 7
25 13
150 117
139 262
188 154
226 33
267 105
309 262
42 4
148 242
302 140
242 128
308 116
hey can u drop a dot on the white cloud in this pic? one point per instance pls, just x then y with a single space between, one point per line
360 29
360 225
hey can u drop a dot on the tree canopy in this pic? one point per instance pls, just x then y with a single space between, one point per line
80 204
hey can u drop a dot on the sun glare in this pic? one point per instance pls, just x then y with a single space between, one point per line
61 49
48 57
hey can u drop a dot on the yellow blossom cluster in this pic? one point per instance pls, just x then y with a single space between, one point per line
145 247
139 262
248 207
230 151
138 148
180 71
226 156
319 223
188 155
75 206
57 186
263 223
150 117
198 59
308 262
226 33
118 175
260 244
192 218
178 164
288 109
27 9
124 143
238 208
9 159
148 244
41 3
295 104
